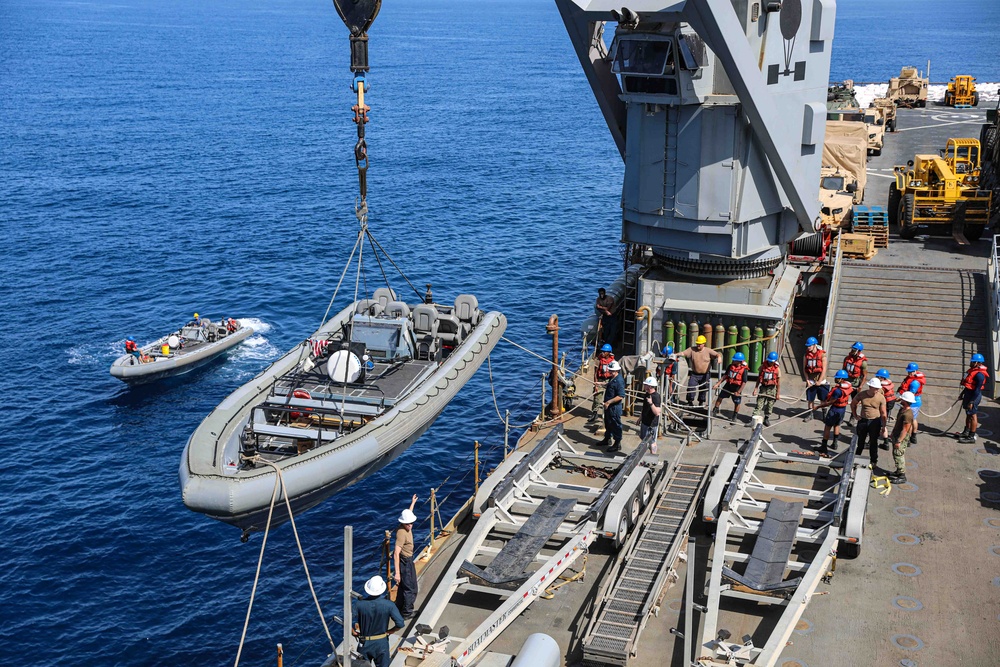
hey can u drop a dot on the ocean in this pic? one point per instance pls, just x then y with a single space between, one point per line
162 158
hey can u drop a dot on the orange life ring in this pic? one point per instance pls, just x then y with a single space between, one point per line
300 393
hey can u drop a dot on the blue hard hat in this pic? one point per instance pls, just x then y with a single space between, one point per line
130 339
914 386
772 356
811 341
882 373
858 346
606 347
670 349
841 375
978 359
739 356
912 367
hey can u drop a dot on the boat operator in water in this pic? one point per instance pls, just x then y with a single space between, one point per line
404 572
370 622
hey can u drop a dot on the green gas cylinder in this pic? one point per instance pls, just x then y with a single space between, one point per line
756 349
682 336
745 341
668 335
731 334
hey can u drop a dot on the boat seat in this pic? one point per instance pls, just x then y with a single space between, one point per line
467 311
350 407
368 307
767 564
507 569
425 331
289 432
449 330
397 310
384 296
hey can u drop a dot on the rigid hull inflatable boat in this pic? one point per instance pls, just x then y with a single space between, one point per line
193 345
336 408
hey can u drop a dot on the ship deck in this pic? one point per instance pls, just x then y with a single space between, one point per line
925 589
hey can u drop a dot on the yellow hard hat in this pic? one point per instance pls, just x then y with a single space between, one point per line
196 314
700 340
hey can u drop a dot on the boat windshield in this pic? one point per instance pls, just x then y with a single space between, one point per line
381 339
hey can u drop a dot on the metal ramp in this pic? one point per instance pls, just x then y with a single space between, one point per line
635 585
940 329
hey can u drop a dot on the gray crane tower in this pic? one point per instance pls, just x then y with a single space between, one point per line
718 108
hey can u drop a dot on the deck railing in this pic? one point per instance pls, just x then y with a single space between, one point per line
994 276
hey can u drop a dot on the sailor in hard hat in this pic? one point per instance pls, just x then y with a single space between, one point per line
132 348
614 397
814 367
649 418
900 437
732 383
856 365
601 377
914 382
972 393
404 573
837 401
699 359
370 622
196 322
868 408
768 389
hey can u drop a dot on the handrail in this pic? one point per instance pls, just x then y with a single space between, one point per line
831 309
993 269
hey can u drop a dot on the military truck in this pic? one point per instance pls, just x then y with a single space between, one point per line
909 89
841 96
874 120
844 174
888 112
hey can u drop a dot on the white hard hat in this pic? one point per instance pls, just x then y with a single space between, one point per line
908 397
875 383
375 586
649 382
407 517
614 366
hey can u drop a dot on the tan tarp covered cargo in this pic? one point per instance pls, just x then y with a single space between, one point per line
846 148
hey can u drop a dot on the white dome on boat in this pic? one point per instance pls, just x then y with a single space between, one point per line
174 342
344 366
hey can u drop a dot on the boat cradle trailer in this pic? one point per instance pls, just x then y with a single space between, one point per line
517 500
821 517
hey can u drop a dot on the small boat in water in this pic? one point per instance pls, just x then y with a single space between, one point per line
336 408
193 345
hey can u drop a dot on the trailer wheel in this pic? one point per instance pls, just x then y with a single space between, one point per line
849 550
646 491
622 531
634 510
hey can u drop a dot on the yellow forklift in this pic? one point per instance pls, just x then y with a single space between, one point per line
941 191
961 92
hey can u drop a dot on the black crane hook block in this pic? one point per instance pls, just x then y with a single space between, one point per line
358 15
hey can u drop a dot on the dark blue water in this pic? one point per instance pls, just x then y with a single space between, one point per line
158 158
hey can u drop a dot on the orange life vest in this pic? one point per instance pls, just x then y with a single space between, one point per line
130 346
845 395
737 373
602 372
970 378
231 326
889 390
853 365
814 361
768 374
917 376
